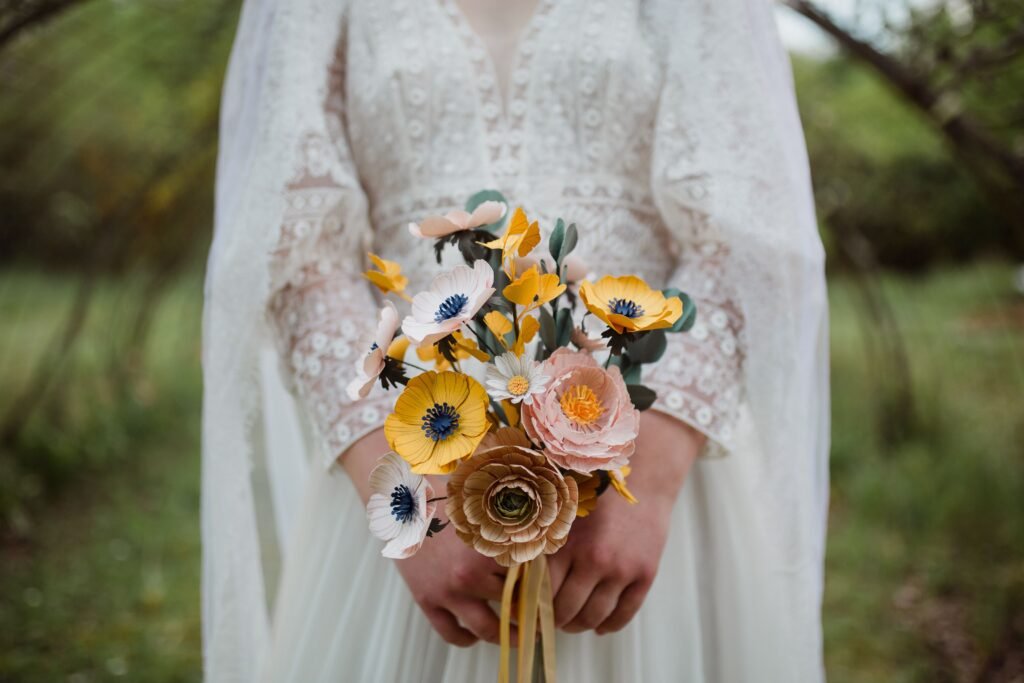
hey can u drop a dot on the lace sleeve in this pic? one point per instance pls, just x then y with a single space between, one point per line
321 308
699 379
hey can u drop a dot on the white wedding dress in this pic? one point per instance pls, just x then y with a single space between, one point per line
667 131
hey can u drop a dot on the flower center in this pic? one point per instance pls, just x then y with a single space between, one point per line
513 504
403 505
581 405
518 385
440 422
450 307
626 307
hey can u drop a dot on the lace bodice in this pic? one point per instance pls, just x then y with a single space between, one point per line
415 119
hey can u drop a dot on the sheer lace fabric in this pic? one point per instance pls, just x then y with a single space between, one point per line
571 143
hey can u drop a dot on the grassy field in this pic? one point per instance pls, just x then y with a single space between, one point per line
926 551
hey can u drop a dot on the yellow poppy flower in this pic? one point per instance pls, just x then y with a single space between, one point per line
388 276
398 347
528 328
519 240
533 290
439 419
627 304
617 478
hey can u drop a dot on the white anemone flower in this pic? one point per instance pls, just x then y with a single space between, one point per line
398 509
369 367
515 378
458 220
452 301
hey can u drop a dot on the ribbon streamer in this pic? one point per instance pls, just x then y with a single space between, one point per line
535 603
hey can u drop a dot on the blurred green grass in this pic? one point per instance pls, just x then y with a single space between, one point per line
925 563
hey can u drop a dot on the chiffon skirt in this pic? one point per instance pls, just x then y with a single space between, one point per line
715 613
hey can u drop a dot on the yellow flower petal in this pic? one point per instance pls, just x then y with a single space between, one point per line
498 324
528 327
389 278
398 347
524 290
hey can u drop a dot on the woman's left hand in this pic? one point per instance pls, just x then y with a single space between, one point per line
601 576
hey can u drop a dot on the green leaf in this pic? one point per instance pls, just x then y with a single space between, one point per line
548 332
568 244
648 347
641 396
556 239
563 327
484 196
632 372
689 316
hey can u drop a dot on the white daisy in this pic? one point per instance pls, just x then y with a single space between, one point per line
369 367
452 300
458 220
398 510
514 378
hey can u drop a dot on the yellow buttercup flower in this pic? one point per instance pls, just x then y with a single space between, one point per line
532 289
464 348
388 276
627 304
519 240
438 420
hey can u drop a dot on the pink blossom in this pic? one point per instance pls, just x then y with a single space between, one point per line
585 420
458 220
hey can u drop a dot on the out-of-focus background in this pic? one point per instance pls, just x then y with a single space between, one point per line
914 112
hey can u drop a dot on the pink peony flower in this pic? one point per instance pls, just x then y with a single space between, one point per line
585 420
458 220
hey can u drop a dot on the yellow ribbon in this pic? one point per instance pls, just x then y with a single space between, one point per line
535 602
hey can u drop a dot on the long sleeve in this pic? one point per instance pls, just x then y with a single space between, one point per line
321 308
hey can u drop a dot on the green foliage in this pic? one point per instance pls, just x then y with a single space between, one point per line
883 179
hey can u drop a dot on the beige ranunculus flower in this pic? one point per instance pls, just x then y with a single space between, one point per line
509 502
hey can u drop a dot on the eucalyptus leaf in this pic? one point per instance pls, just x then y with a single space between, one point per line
648 347
641 396
548 333
484 196
632 372
569 243
563 327
556 239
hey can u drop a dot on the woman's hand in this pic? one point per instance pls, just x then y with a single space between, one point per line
450 581
603 573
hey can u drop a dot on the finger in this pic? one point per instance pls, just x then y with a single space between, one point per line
476 616
572 595
599 606
484 587
629 604
447 626
558 568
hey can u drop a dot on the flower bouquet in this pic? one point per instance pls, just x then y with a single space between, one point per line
532 406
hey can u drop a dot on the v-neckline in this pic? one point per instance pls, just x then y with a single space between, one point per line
461 24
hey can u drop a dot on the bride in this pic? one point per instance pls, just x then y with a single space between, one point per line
667 131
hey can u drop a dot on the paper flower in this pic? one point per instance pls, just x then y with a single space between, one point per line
463 348
585 420
627 304
519 240
452 301
532 289
388 276
458 220
617 479
439 418
515 379
587 484
585 342
398 510
510 502
368 369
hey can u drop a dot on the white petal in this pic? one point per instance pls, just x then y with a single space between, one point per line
383 524
487 213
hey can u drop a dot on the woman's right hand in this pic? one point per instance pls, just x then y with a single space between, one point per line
450 581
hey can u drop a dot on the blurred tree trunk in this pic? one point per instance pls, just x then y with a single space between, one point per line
18 15
939 69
